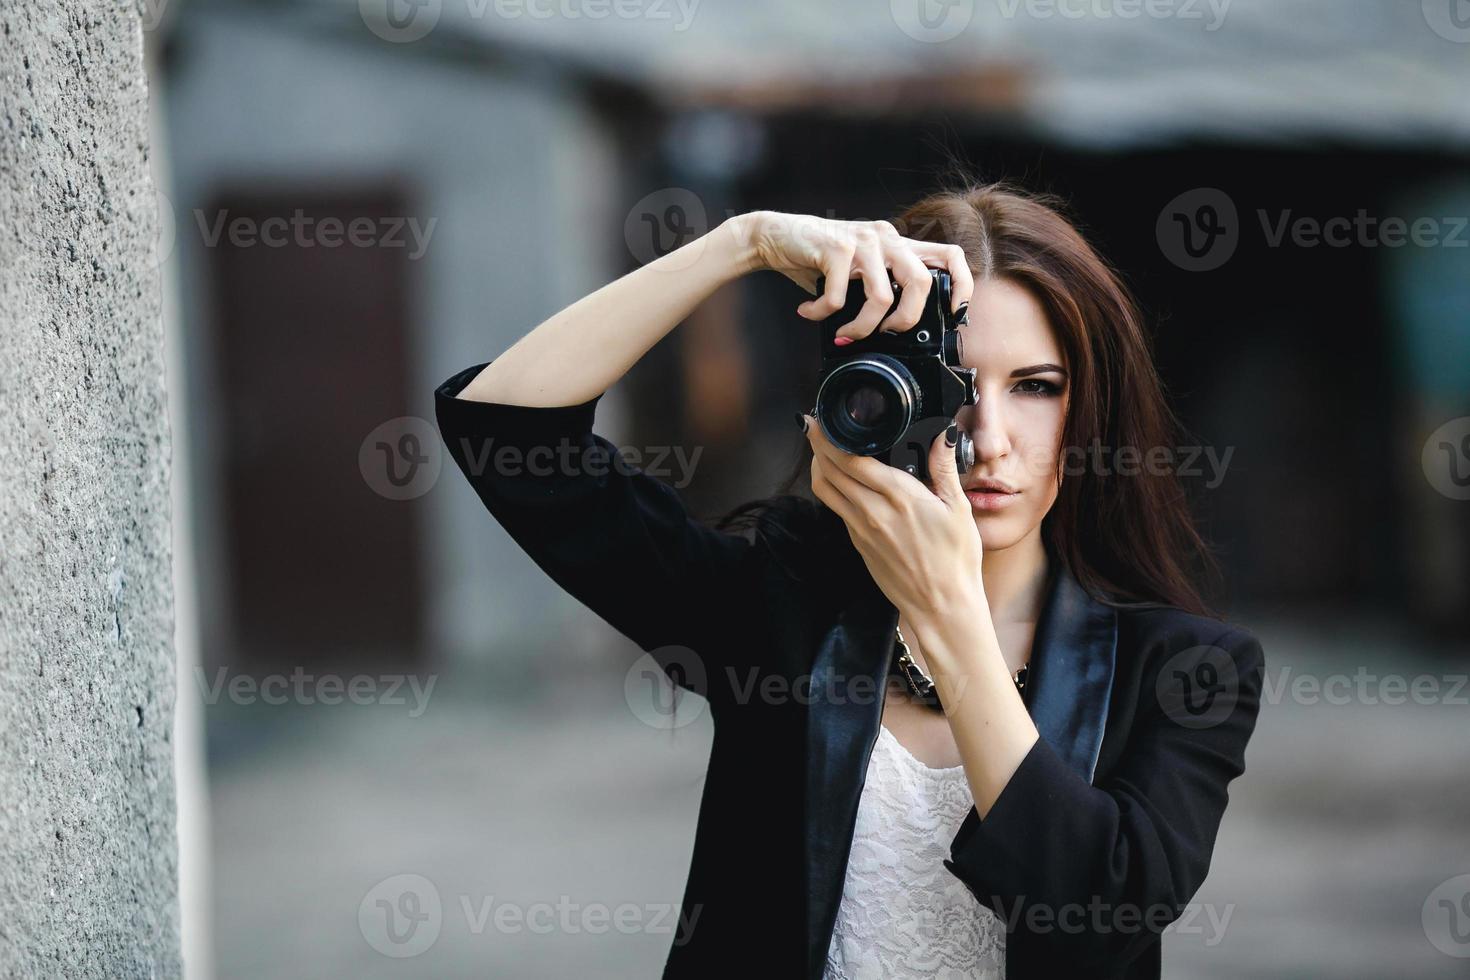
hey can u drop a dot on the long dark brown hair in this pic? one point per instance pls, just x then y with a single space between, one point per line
1129 539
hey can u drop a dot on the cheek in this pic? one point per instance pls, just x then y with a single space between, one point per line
1039 439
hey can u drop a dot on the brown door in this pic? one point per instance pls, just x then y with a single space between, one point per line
311 345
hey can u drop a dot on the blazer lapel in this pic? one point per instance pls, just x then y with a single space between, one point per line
1068 686
1070 680
848 683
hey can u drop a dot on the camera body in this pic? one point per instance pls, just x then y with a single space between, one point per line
890 394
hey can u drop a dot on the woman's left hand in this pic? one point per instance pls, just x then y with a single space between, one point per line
920 545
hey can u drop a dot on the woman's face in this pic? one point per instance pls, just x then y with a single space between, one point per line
1021 404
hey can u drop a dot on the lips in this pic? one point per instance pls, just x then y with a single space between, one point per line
984 500
985 485
988 494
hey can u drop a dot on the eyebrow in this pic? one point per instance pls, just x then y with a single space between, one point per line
1038 369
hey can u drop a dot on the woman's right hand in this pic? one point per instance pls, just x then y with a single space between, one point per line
802 247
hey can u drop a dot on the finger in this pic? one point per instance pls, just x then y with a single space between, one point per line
837 267
872 474
943 471
939 255
914 282
868 262
867 500
828 494
823 447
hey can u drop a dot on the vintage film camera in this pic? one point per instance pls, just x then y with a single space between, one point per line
890 394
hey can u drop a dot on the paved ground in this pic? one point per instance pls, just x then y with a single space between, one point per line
1349 817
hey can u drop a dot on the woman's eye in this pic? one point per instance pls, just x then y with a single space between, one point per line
1036 386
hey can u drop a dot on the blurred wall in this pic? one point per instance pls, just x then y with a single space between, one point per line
506 171
551 152
87 849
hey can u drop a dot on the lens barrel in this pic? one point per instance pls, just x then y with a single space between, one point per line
865 405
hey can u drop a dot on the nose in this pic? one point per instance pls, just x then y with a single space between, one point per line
987 427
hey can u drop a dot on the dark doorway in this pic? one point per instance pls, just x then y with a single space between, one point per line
311 339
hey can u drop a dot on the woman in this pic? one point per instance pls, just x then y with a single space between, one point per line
1031 786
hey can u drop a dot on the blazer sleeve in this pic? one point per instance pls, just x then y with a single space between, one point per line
615 538
1085 874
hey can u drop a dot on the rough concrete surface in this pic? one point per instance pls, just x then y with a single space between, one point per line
88 856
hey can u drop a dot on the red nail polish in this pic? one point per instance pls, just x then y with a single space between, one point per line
841 341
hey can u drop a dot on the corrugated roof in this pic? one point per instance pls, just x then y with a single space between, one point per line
1101 72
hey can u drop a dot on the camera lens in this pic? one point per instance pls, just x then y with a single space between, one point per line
865 405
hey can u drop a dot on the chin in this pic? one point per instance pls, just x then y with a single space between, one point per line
998 532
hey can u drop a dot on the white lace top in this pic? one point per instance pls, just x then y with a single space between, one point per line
903 914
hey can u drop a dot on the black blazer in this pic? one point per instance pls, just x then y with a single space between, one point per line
1099 840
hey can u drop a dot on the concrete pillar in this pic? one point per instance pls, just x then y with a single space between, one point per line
88 863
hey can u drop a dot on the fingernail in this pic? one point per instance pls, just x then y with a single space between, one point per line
841 341
801 421
952 435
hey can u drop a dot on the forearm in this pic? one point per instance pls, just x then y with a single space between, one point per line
583 350
1139 842
991 726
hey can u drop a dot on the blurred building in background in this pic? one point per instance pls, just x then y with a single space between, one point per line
1245 164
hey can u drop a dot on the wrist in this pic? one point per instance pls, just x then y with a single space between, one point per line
946 627
955 601
738 234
